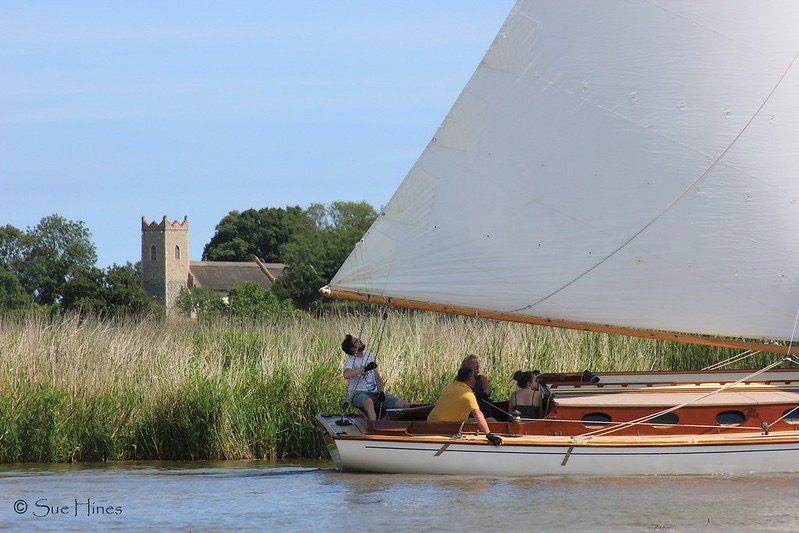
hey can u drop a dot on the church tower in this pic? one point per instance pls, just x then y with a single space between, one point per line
165 260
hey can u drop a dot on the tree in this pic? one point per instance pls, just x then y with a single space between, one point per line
114 292
349 221
251 301
313 243
51 254
125 294
200 302
84 292
254 233
315 255
11 242
13 295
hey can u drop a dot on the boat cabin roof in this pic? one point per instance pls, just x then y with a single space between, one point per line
669 399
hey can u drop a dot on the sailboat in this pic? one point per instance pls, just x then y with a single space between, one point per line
620 166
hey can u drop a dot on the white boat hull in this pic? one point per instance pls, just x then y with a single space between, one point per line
409 456
353 448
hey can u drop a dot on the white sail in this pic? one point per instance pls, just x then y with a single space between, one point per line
632 163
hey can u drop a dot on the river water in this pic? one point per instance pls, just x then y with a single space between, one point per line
312 496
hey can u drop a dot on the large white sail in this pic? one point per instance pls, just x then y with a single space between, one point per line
632 163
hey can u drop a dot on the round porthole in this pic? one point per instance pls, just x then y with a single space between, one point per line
596 420
730 418
791 415
666 419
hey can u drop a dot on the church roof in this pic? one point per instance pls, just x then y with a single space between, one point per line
220 276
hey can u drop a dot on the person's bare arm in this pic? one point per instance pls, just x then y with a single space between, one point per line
481 421
352 372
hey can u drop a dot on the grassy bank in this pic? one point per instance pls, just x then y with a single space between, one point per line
84 390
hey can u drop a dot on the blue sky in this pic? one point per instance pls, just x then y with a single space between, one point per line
110 111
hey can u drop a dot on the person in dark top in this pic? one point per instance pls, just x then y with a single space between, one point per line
527 399
482 387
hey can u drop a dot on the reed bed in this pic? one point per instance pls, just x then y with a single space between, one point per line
88 390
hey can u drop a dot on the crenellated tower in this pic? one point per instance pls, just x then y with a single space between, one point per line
165 260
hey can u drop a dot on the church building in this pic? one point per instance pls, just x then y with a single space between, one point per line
166 268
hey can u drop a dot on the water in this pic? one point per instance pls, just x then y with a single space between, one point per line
311 496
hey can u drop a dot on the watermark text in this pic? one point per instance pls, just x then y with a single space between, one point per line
44 507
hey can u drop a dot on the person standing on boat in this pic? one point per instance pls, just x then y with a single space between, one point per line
526 400
457 401
364 383
481 387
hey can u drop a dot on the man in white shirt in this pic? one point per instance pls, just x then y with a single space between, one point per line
364 383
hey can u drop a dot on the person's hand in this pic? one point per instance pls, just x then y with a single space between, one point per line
371 366
493 439
381 396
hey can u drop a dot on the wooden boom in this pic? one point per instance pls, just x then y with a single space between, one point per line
565 324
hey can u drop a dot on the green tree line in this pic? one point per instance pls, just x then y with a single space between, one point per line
312 242
51 268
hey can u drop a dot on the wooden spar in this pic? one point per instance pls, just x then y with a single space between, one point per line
565 324
265 271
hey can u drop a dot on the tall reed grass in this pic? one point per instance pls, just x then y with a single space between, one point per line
88 390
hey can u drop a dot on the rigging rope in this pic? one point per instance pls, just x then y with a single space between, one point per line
733 359
788 357
381 330
793 331
644 419
784 415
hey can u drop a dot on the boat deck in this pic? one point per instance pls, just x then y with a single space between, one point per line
678 397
